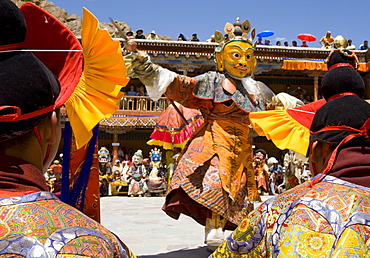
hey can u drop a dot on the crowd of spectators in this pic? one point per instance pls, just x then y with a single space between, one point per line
132 100
139 34
299 93
326 41
277 171
115 176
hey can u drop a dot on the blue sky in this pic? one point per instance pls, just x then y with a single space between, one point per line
286 18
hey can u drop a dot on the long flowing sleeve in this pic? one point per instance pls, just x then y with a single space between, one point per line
155 78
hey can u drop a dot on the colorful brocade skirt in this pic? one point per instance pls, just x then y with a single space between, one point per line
214 174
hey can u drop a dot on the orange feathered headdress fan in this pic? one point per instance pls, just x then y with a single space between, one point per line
91 75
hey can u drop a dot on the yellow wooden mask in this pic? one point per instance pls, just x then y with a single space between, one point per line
235 55
237 58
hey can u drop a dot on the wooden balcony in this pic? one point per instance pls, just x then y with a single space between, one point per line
131 108
134 113
194 58
141 106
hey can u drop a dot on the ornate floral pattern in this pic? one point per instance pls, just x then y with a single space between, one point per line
330 219
39 225
216 168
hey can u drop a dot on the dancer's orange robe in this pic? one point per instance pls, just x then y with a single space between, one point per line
215 169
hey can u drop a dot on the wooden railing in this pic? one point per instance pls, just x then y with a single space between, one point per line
261 51
143 103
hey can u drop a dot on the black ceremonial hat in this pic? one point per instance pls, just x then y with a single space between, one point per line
342 75
26 84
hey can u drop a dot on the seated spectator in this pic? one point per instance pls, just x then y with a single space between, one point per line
137 89
350 45
259 41
280 182
289 90
121 153
181 37
267 42
139 34
304 44
278 43
286 44
142 102
153 36
302 98
298 92
129 35
131 101
126 158
364 46
131 91
294 43
194 37
327 41
142 91
130 153
161 103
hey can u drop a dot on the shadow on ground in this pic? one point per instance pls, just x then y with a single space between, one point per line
200 252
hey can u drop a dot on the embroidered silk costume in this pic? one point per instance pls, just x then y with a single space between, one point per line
216 169
35 223
327 220
214 181
327 216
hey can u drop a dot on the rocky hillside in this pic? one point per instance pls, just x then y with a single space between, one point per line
73 21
